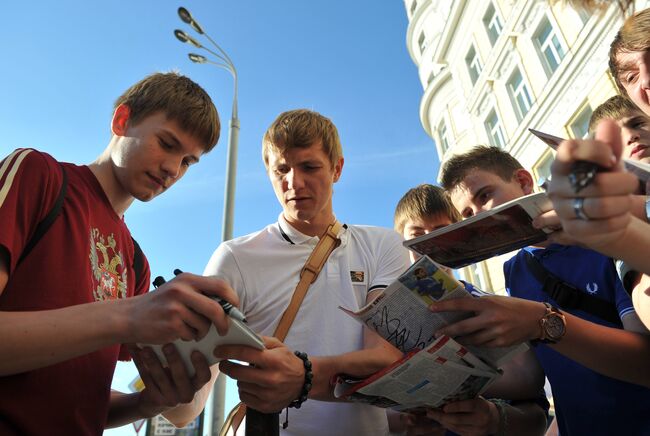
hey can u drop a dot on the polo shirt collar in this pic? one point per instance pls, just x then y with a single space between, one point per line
293 236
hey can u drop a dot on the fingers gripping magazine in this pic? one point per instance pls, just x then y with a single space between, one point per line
433 371
497 231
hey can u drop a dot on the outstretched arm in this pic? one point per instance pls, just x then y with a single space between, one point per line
502 321
168 391
478 417
32 340
522 379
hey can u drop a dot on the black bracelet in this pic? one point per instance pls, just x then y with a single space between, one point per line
306 387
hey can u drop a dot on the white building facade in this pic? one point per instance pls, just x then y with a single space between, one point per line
491 69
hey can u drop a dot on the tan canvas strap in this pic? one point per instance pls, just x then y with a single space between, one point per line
308 275
327 243
233 420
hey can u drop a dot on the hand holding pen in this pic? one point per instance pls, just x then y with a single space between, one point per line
583 174
592 214
227 307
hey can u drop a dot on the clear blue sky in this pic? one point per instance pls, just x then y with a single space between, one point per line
65 62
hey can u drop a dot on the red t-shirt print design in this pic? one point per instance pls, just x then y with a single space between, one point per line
108 268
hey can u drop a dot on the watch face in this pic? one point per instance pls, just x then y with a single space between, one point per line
554 326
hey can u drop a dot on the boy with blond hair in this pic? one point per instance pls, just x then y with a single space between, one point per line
420 211
71 299
303 157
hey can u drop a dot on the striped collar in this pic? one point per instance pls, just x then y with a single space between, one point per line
294 237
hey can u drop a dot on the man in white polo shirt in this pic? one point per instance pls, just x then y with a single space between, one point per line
303 156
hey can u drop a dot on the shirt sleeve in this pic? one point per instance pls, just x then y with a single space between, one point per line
30 182
476 292
626 275
623 300
223 264
392 261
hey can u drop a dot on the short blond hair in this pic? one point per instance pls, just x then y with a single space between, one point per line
422 202
634 35
614 108
487 158
301 128
180 99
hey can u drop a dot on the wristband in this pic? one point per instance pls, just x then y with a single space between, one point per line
647 208
502 428
306 387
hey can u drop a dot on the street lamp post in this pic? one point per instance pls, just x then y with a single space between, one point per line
224 61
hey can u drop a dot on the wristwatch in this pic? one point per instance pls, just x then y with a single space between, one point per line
553 325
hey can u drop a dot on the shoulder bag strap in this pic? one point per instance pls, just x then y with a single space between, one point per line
568 296
327 243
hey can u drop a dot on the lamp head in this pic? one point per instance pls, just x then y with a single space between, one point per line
197 59
184 37
189 19
185 15
180 35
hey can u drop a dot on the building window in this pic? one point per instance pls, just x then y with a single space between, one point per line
473 64
421 42
519 94
542 169
494 129
476 276
492 24
584 15
579 126
430 78
549 45
443 134
414 6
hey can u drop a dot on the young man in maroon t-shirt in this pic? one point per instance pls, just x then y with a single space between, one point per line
68 305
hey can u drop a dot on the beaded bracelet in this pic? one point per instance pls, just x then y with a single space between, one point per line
306 387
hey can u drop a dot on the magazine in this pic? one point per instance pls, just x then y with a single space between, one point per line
443 372
505 228
640 169
433 371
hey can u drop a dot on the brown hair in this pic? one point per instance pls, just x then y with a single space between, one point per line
491 159
301 128
180 99
615 108
634 35
423 201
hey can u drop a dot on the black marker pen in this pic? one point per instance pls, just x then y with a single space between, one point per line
227 307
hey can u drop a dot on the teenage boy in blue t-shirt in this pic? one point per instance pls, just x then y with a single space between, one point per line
578 344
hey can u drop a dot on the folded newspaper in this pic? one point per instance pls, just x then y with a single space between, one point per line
433 371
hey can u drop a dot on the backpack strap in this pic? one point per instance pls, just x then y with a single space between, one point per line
45 224
138 260
568 296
